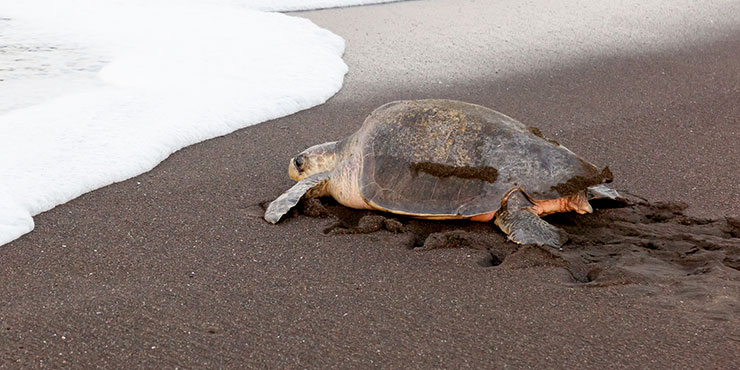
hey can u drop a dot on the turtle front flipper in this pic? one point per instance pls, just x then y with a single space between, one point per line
522 226
313 185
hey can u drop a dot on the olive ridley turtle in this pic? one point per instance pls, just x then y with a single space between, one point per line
445 159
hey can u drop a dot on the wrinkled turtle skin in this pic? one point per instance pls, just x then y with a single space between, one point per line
443 157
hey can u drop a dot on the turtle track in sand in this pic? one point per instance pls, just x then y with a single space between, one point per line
650 249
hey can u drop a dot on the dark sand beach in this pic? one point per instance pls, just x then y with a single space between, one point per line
176 269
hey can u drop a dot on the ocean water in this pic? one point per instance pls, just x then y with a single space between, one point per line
97 91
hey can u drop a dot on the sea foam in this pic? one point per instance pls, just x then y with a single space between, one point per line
94 92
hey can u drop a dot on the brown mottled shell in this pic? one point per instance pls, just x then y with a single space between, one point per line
443 157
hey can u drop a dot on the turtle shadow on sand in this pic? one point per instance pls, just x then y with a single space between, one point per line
654 248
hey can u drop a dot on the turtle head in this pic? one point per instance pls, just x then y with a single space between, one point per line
316 159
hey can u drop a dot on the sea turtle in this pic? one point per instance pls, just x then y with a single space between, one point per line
445 159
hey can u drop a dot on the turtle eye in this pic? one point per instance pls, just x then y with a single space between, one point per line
299 161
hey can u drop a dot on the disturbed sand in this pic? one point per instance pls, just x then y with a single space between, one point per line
175 268
654 248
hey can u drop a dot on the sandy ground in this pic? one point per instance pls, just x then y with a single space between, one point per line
174 268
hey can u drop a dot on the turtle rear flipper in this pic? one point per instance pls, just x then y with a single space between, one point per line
313 185
524 227
602 191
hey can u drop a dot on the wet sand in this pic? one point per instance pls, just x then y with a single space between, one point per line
175 268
